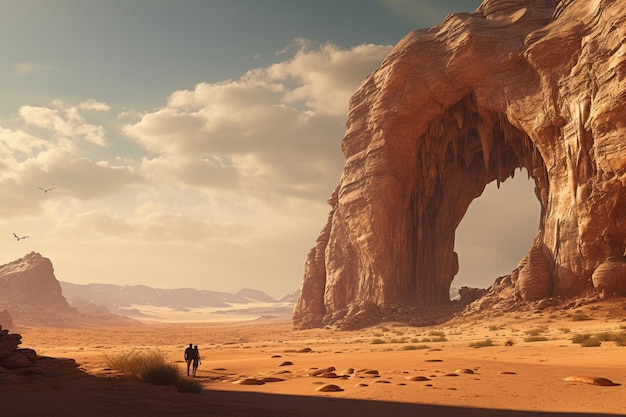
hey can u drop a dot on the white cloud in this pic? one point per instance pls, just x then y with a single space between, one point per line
94 105
64 122
275 133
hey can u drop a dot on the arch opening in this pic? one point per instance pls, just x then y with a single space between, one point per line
463 151
495 233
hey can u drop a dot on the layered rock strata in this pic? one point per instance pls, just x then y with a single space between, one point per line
535 85
32 294
17 363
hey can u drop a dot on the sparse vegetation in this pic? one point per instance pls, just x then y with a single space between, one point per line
414 347
536 331
162 374
579 317
482 343
135 362
590 340
152 367
535 339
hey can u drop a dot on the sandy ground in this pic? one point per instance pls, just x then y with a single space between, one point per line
385 370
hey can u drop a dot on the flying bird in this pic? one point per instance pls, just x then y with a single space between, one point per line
19 238
45 190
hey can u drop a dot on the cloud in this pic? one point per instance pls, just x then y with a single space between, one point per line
272 134
93 105
63 122
28 68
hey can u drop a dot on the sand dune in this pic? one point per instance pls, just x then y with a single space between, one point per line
254 369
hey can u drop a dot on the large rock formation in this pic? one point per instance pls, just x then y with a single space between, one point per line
17 364
518 84
31 293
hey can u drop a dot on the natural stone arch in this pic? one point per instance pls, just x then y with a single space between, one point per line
517 84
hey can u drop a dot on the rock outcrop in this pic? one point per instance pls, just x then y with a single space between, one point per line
535 85
18 363
31 293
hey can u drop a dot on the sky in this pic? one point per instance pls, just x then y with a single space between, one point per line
194 143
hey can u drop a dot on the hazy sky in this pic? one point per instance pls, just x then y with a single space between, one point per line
195 143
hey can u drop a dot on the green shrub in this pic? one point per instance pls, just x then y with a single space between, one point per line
162 374
186 385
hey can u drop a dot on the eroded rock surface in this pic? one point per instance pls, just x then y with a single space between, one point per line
31 293
535 85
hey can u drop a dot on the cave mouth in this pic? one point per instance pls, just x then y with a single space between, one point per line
496 232
463 151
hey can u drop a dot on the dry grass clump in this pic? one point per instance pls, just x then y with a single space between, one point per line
596 339
135 362
481 343
152 367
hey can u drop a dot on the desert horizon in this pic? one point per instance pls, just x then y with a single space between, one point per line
510 364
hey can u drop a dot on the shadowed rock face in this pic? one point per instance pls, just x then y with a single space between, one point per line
537 85
31 293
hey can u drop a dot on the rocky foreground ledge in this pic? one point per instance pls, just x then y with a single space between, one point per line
18 364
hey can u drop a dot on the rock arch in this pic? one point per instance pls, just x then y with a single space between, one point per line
517 84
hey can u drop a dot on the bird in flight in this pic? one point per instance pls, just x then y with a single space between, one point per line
45 190
19 238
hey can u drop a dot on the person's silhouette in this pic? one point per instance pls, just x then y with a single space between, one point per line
189 355
196 359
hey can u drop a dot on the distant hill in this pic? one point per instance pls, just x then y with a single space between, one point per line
138 300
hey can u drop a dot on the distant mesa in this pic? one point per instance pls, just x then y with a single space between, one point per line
538 85
32 296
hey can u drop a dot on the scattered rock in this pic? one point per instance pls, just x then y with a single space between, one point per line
330 388
417 378
591 380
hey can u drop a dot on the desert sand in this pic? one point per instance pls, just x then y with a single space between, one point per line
385 370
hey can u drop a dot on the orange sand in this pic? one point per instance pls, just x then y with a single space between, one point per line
526 378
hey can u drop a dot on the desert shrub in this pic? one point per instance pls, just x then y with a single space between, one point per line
135 362
579 317
162 374
426 340
415 340
593 341
535 339
536 331
564 330
401 340
414 347
586 340
437 333
618 338
377 341
186 385
493 328
482 343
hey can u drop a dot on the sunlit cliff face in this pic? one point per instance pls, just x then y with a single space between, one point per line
452 108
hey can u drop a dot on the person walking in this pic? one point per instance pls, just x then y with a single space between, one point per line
196 359
189 354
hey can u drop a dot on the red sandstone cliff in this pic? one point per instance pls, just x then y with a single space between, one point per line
538 85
